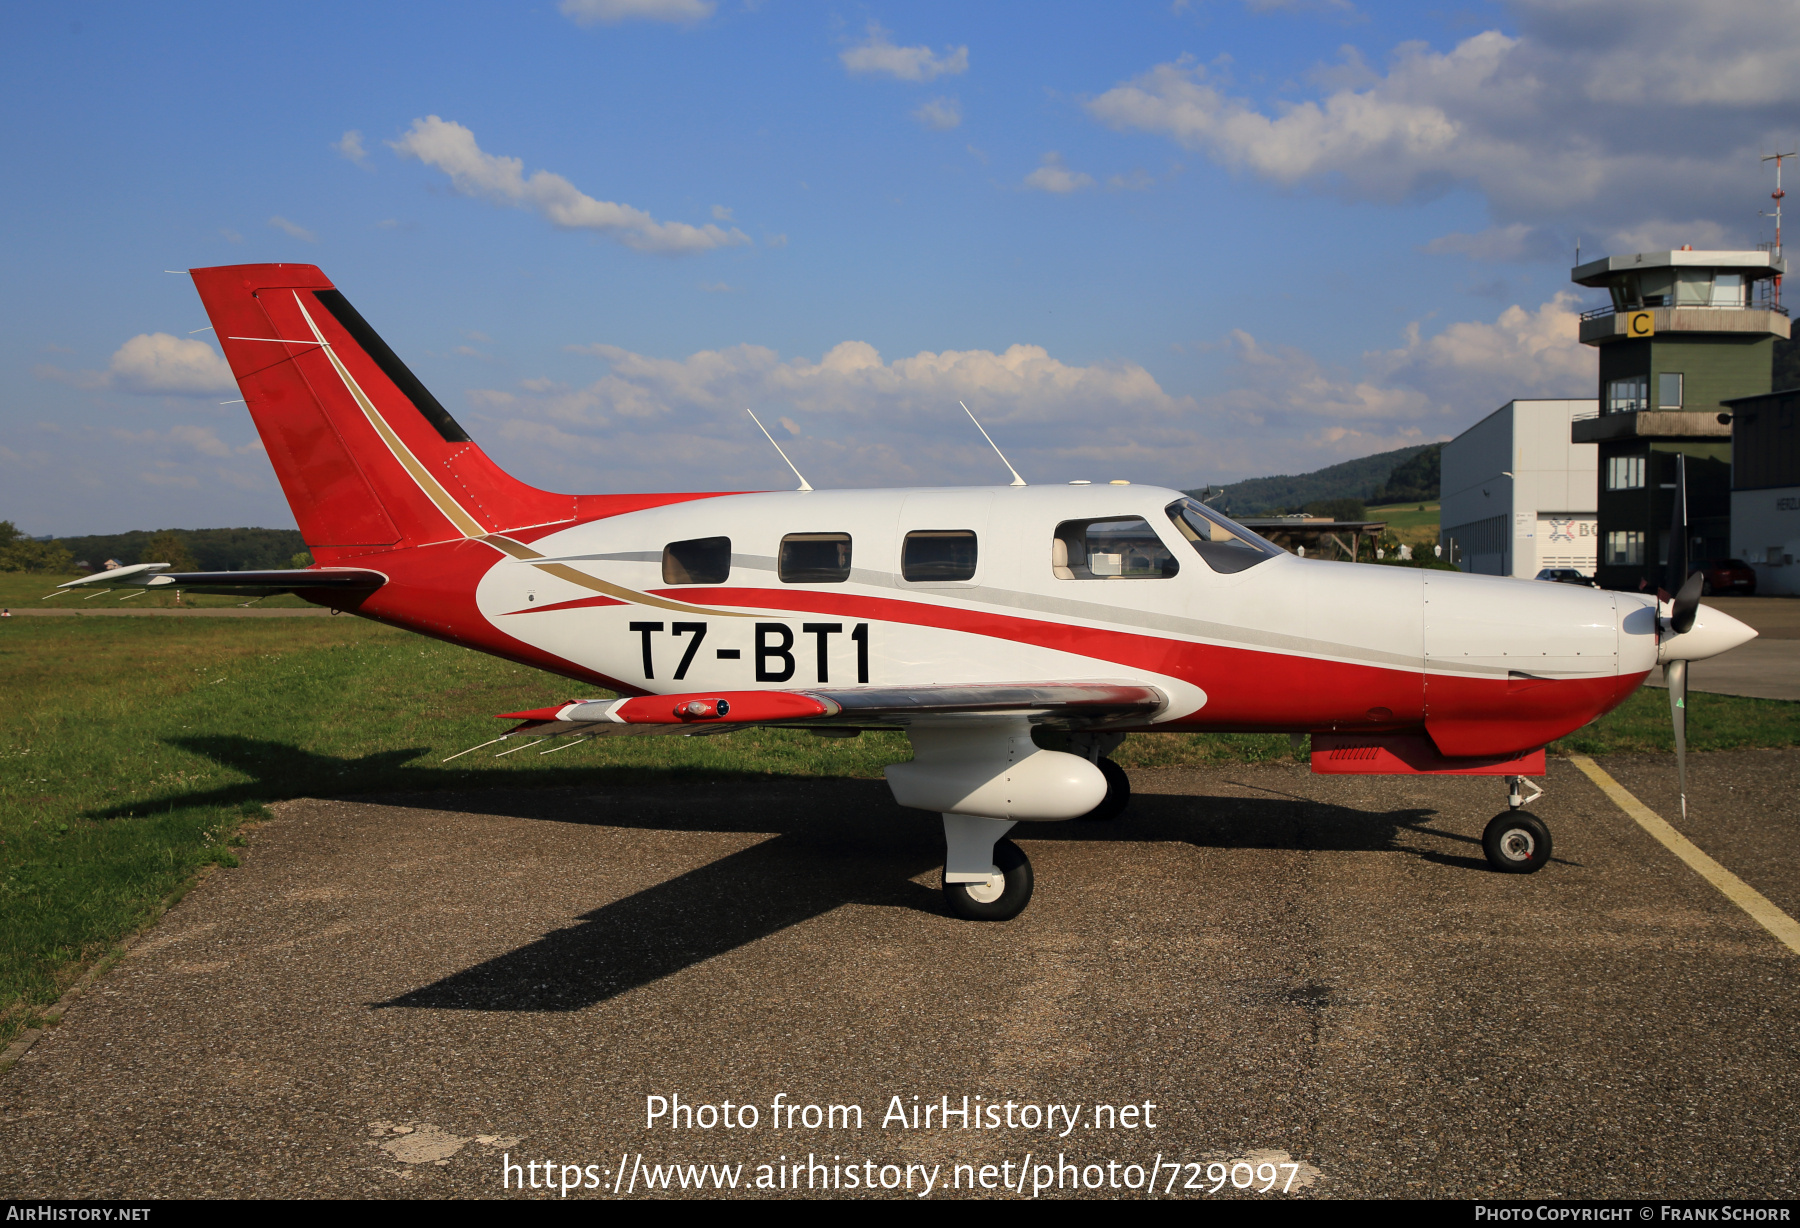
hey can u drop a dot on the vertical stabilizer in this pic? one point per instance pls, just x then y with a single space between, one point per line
368 458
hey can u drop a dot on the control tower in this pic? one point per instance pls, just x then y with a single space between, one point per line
1685 332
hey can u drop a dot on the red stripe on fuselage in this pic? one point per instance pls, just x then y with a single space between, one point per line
431 590
576 604
1253 690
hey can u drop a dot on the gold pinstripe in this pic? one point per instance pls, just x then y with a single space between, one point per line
562 571
466 524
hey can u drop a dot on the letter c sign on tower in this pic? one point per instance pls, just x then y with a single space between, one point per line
1640 324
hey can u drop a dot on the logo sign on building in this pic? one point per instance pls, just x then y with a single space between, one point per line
1640 324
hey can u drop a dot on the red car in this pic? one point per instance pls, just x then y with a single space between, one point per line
1728 577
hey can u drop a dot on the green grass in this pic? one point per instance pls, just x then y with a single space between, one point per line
21 590
1407 516
132 751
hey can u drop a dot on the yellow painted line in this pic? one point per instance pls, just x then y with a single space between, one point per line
1735 889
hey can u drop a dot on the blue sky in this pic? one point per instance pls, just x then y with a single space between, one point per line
1176 243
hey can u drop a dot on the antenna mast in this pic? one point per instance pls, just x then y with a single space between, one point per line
1777 196
1017 480
804 484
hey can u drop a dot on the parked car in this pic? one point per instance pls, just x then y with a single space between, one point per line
1565 575
1728 577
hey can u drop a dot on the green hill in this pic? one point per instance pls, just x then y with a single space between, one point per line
1413 473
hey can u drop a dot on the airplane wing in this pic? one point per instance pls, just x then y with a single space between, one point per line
237 583
1068 705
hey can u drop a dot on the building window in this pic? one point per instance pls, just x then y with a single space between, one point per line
1668 390
1624 473
1728 290
1628 395
1625 548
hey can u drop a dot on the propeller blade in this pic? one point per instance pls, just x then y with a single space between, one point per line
1675 674
1686 605
1676 574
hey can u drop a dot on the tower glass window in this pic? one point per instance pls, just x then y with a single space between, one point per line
1625 547
1668 390
1624 473
1628 395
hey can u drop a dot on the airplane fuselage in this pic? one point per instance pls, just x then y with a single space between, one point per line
1485 665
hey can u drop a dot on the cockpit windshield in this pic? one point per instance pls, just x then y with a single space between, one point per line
1227 547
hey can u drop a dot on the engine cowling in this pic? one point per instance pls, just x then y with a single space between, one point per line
996 773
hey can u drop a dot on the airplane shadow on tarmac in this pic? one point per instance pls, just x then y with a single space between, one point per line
831 842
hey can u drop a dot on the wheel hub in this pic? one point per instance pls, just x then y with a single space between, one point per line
989 891
1518 844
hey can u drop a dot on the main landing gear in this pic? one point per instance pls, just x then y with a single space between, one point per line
998 893
1516 841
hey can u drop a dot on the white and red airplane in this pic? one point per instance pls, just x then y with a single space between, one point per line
1016 633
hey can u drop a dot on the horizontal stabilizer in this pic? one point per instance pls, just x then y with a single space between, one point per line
157 575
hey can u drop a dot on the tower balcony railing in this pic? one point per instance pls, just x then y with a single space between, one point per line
1600 313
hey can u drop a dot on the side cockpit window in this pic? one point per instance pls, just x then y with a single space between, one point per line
704 560
1225 545
938 555
1119 548
815 558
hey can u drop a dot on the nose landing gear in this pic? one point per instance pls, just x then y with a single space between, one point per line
1516 841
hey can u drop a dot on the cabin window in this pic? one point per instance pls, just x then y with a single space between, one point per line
704 560
1227 547
1118 548
815 558
938 555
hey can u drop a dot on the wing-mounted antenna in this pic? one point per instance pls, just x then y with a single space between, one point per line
804 484
1017 480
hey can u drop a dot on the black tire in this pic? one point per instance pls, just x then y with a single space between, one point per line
1118 793
1516 843
1011 861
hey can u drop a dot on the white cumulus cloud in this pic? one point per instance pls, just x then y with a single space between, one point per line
939 114
162 364
878 54
1615 118
451 148
1055 176
611 12
350 147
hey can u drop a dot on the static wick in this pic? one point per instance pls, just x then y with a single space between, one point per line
459 754
1017 480
804 484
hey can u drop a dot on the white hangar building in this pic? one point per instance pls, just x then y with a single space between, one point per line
1518 496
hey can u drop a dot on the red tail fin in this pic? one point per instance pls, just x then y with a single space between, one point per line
367 457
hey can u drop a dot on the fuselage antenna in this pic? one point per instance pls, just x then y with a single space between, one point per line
1017 480
804 484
